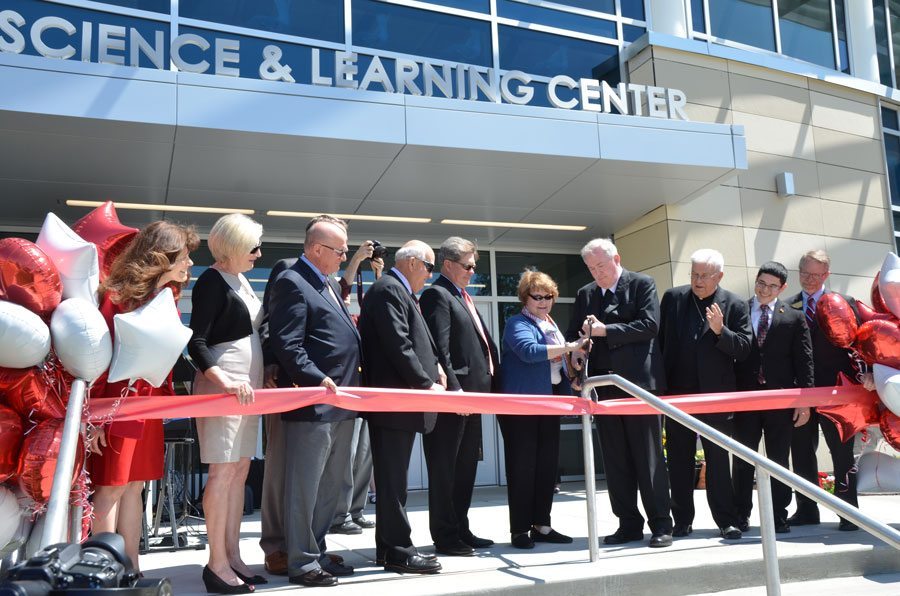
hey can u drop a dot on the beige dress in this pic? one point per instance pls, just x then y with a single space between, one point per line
226 439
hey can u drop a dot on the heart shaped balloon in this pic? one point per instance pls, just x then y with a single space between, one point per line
836 319
889 283
10 442
75 258
889 424
879 341
867 313
24 337
32 393
37 461
81 339
28 277
102 227
148 341
887 383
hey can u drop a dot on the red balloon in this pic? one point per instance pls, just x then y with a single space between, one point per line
10 442
836 319
37 461
879 342
867 313
32 393
890 428
28 277
877 300
102 227
851 419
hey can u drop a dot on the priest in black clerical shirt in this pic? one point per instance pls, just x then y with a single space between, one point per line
704 329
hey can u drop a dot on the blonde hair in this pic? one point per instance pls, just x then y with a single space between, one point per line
232 236
819 256
536 281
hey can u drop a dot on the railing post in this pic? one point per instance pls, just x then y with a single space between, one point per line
767 531
590 487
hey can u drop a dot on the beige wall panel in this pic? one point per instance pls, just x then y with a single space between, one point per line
645 248
764 167
852 186
772 245
734 280
705 86
703 60
837 113
701 113
766 98
643 76
648 219
855 257
766 74
661 274
721 205
860 287
841 91
766 210
779 137
686 237
842 149
853 221
642 57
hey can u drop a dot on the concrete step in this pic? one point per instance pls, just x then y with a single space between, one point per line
868 585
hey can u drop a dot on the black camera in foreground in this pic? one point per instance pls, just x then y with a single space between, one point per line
379 251
98 565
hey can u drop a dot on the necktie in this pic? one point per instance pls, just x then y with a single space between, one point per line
333 295
761 330
472 311
810 311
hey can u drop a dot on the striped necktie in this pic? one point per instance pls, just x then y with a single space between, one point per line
761 330
811 311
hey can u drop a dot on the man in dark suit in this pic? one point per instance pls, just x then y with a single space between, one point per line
469 357
703 330
399 352
315 344
828 361
620 311
780 358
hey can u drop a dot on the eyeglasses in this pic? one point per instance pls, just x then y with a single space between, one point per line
429 266
341 252
703 276
466 266
541 298
761 285
256 249
809 275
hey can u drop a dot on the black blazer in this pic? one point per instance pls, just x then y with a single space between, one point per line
828 359
218 315
277 268
716 355
461 351
632 321
786 355
398 350
312 337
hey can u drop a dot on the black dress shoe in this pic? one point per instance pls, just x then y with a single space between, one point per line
250 579
682 530
455 549
803 519
317 578
379 559
845 525
730 533
364 523
744 524
660 540
522 541
476 542
216 585
552 536
620 536
348 527
782 526
414 564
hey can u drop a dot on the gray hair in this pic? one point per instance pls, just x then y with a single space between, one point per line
454 247
411 250
604 245
233 236
709 256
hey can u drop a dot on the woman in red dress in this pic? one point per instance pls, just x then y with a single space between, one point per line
126 454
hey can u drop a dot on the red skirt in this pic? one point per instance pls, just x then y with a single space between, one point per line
126 459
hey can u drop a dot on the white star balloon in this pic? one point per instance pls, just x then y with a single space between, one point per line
81 338
889 283
75 258
24 337
887 383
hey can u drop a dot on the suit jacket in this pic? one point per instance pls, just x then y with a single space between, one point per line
461 350
526 369
277 268
398 351
312 337
631 320
716 356
786 354
828 359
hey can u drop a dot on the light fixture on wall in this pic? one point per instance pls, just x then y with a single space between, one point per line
158 207
513 224
351 216
784 182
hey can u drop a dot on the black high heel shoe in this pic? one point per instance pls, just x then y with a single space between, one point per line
250 579
216 585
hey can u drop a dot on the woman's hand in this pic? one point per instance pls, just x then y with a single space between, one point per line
241 390
96 440
377 266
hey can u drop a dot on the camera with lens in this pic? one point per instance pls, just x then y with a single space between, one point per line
99 565
379 251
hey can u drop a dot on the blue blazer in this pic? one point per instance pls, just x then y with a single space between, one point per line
525 369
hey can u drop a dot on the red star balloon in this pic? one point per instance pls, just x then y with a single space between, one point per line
890 428
867 313
37 460
31 393
102 227
10 442
28 277
852 418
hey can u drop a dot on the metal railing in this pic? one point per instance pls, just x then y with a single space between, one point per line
764 469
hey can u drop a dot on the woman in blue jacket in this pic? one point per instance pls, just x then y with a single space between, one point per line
532 356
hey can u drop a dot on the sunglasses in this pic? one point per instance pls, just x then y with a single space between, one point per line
540 298
466 266
256 249
429 266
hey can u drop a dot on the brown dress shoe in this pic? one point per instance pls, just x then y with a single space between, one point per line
276 563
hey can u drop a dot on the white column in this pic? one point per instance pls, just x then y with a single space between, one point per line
861 42
669 17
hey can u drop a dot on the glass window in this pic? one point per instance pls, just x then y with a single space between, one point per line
568 271
421 33
898 245
633 9
698 20
473 5
881 41
744 21
561 313
149 5
546 54
889 119
480 284
316 19
806 31
630 32
607 6
896 215
841 18
894 9
892 149
556 18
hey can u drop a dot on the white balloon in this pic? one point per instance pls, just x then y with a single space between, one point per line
889 283
878 472
148 341
75 258
24 337
10 517
887 383
81 338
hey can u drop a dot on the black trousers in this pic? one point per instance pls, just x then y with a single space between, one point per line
804 442
531 447
749 428
451 453
681 446
391 450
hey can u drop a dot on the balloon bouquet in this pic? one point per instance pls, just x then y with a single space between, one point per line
52 333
